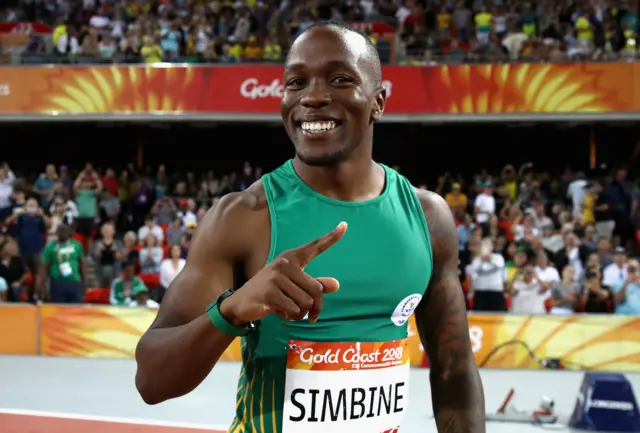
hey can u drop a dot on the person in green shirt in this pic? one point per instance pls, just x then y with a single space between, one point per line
62 265
87 187
125 288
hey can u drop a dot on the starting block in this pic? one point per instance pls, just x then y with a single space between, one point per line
507 412
606 403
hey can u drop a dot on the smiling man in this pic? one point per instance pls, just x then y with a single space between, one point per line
322 308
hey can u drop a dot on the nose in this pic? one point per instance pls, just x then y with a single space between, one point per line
316 95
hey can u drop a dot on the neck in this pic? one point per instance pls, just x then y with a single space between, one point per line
354 180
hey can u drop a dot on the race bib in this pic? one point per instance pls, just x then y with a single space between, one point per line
346 387
65 269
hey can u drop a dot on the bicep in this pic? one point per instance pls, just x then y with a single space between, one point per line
441 317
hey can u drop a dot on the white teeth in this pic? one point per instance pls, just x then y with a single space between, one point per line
316 127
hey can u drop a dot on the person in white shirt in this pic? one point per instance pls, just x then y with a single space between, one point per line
487 277
485 204
546 273
528 293
169 269
616 271
576 192
140 297
150 227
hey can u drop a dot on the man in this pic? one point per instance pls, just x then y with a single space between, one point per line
123 288
150 227
291 307
485 206
13 269
63 265
627 291
87 188
30 229
487 276
617 271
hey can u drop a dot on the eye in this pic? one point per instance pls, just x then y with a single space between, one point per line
296 82
342 79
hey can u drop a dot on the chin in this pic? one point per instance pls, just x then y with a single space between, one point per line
321 159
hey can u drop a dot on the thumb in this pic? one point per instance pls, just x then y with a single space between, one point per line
329 285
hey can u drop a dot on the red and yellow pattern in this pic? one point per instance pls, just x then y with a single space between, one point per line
594 342
309 355
244 89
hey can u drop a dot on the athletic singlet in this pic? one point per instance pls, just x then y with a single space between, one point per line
299 377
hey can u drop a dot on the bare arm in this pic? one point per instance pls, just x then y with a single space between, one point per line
182 346
456 388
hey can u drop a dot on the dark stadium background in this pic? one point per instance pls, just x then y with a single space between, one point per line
423 152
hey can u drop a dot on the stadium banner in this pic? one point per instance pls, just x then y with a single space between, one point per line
24 27
251 92
18 329
593 342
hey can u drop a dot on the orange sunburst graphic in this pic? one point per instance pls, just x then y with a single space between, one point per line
527 88
115 89
610 343
92 332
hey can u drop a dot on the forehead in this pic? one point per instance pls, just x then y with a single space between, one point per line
322 46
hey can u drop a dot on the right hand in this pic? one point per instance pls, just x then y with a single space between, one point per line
282 287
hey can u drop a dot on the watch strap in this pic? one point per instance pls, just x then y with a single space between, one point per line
220 322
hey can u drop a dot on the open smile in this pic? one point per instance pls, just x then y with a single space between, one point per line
318 128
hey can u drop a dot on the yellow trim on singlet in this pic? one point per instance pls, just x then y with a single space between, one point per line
261 400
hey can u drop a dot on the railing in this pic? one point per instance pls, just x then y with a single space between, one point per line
589 342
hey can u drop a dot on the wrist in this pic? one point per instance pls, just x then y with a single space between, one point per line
226 311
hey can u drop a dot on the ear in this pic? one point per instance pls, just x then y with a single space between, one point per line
379 103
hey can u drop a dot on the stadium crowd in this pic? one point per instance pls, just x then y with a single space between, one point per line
407 31
529 242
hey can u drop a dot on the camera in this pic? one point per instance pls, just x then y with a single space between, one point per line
591 273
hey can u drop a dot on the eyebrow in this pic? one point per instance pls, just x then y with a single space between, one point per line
334 64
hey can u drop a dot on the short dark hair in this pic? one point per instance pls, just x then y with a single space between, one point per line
372 50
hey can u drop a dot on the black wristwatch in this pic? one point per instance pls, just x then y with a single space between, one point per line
220 322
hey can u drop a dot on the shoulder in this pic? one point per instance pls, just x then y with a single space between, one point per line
438 214
235 222
441 225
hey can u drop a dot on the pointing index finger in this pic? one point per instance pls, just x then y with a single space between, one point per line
309 251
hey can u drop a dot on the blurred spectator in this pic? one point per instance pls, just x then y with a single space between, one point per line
13 270
565 293
30 229
164 209
44 186
141 298
63 266
169 269
150 228
487 270
3 290
107 255
596 297
124 287
616 271
130 252
528 293
7 179
627 290
86 188
150 256
175 232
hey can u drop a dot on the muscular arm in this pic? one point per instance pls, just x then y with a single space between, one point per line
456 388
182 346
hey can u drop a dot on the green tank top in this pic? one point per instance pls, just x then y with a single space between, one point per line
383 260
